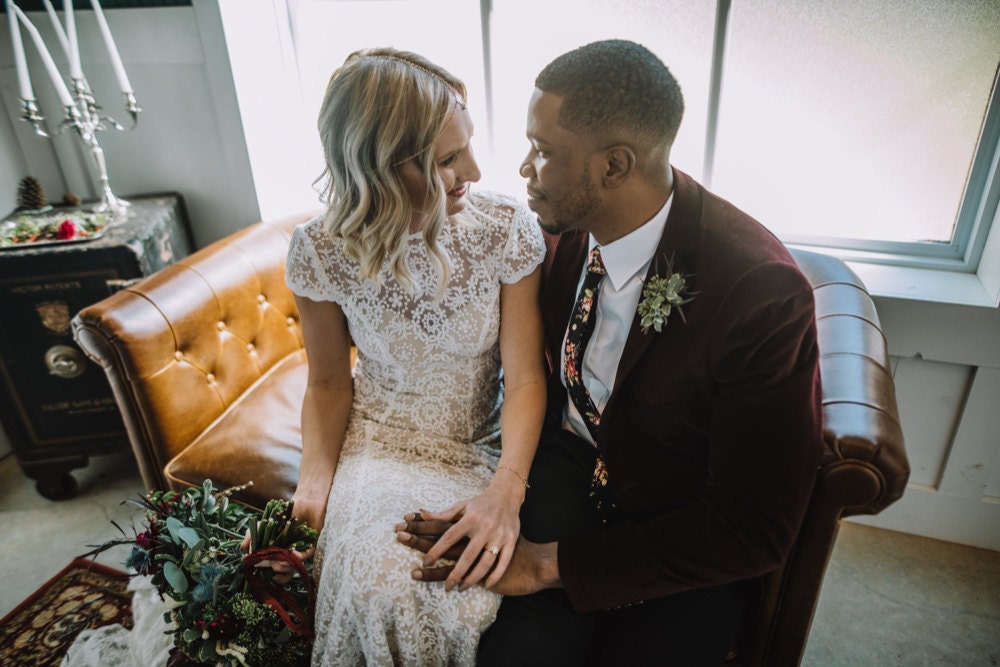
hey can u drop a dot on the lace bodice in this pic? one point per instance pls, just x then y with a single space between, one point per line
427 363
424 430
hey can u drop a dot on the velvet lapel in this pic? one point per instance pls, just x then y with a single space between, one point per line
559 292
680 241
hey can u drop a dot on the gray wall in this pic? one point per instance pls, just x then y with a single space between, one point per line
189 137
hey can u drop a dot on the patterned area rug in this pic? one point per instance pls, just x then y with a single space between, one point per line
84 595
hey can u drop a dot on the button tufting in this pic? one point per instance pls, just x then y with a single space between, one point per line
210 377
221 326
290 320
250 347
261 298
178 355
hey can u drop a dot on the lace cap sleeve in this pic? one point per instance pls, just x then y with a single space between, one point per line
304 272
525 247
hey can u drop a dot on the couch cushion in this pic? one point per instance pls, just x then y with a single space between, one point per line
258 438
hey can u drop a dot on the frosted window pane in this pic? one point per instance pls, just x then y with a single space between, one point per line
528 34
446 32
855 119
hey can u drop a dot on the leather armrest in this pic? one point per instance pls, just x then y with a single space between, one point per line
864 467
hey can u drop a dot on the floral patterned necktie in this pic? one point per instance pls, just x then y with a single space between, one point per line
581 328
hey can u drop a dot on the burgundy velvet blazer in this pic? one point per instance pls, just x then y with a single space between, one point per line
712 433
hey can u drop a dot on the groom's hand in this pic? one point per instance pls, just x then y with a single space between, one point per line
422 534
532 567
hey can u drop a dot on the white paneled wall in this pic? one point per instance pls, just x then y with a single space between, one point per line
931 396
947 371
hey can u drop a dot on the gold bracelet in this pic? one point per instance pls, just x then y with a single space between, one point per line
516 474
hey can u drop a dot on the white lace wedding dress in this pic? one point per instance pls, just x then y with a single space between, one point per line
423 433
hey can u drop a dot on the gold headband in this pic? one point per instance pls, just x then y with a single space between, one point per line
458 96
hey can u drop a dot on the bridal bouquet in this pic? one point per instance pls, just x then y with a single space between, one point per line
229 610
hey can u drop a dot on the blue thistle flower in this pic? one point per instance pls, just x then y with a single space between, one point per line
141 561
208 584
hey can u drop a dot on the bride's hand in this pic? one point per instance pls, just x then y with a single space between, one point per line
311 514
491 525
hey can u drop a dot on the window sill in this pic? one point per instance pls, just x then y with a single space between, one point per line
933 285
980 289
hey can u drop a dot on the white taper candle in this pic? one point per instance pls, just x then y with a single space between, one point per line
109 42
67 37
75 71
57 26
20 62
50 66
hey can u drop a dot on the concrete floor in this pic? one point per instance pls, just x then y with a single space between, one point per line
888 598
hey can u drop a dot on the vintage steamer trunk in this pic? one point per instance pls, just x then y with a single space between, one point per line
56 406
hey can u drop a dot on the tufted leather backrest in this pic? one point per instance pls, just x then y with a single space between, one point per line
181 346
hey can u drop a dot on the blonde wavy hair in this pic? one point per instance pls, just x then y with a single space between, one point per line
382 108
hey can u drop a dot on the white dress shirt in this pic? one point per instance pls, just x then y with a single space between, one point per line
626 261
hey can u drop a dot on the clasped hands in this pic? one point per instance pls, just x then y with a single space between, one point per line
518 569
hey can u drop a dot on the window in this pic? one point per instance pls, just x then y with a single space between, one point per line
857 125
856 120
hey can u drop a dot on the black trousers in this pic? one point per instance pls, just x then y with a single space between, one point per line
695 627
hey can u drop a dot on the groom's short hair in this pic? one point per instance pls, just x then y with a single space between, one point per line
615 86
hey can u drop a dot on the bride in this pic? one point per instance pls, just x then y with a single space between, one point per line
436 286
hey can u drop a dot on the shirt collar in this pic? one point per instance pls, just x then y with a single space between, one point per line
625 257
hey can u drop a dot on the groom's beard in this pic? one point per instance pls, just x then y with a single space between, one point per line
567 212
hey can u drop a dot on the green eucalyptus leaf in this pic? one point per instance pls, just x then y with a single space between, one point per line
173 526
189 535
175 577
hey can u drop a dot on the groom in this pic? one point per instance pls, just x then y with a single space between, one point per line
683 432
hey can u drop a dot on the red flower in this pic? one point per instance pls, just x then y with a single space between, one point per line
144 540
67 230
223 627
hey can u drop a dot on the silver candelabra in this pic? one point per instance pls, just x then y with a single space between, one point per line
86 118
81 111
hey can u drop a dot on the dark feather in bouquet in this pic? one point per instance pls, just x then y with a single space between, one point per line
230 608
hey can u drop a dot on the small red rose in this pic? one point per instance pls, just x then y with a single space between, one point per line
67 230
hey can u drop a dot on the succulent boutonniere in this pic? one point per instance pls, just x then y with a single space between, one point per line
660 295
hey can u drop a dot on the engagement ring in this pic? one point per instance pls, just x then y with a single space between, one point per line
493 550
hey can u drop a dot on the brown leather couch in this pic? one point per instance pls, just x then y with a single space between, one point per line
206 362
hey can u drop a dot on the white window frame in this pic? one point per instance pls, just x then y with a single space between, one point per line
976 211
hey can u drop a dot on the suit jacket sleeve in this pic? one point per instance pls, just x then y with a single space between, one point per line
763 440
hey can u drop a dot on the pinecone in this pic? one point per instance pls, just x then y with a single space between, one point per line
30 194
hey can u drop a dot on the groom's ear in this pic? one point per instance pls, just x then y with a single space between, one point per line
619 164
